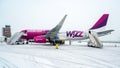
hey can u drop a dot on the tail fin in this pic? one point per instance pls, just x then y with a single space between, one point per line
101 22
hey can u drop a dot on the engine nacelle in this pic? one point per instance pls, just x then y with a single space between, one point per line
39 39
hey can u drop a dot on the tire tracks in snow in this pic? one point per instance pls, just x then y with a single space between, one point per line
6 64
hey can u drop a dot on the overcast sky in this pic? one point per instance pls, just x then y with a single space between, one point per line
45 14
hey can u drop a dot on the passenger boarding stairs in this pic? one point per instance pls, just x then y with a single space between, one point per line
94 40
14 38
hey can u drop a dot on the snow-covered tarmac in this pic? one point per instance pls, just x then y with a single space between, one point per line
67 56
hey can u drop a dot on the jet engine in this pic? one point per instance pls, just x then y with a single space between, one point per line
39 39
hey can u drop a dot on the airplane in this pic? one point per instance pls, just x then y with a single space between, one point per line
55 37
38 36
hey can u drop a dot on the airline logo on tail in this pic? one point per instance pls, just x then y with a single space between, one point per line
101 22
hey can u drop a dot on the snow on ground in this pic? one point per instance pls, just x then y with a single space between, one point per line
67 56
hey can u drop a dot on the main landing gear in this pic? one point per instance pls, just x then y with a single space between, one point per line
57 42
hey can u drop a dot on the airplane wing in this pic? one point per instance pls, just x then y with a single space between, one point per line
54 31
104 32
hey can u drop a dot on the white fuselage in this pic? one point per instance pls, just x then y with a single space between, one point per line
73 35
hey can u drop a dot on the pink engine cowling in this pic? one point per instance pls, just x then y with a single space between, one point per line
39 39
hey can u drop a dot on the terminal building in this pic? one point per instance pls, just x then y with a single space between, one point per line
6 32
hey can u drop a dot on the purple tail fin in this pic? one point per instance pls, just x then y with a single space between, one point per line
101 22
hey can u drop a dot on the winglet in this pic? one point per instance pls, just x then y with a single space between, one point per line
101 22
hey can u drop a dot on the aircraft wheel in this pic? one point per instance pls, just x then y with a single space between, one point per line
18 43
90 45
27 42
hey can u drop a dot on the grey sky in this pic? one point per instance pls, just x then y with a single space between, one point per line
45 14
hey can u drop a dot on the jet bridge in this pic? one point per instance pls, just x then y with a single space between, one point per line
94 40
15 38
